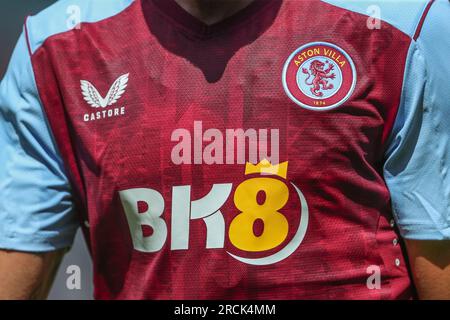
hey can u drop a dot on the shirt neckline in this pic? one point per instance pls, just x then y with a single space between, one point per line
175 14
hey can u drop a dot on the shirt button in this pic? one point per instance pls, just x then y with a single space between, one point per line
397 262
392 223
86 224
395 242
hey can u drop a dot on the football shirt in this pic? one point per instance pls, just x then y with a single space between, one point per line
263 157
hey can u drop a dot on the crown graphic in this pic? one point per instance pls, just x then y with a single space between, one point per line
266 168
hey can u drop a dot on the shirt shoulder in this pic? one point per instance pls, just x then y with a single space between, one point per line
417 154
431 37
404 15
36 207
66 15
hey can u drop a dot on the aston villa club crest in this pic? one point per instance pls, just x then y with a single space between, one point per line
319 76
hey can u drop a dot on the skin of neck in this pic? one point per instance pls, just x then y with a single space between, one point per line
213 11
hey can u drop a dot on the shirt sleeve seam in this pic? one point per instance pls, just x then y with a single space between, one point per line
14 242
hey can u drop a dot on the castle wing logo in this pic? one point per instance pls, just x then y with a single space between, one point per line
95 100
319 76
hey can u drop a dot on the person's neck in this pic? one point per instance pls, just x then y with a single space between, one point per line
213 11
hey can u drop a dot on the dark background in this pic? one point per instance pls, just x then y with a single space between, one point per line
12 18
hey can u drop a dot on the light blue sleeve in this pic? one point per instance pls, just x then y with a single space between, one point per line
417 167
36 208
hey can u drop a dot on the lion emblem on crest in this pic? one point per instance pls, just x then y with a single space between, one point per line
320 74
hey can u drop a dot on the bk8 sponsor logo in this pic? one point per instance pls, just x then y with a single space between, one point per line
145 207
